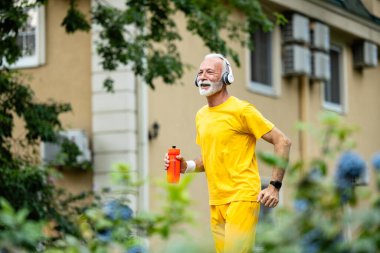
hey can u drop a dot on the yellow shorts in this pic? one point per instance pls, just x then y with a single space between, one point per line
233 226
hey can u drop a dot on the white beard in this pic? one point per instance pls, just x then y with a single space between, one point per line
211 90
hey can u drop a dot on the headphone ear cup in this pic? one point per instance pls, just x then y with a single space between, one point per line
230 78
196 81
227 78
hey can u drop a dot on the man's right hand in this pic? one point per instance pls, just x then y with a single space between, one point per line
180 158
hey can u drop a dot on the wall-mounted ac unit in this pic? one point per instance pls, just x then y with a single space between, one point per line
319 36
320 66
365 54
296 60
49 150
296 30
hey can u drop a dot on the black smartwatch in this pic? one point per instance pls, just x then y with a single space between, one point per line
276 184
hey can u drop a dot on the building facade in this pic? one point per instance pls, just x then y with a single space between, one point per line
340 38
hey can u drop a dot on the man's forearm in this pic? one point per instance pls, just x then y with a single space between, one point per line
282 150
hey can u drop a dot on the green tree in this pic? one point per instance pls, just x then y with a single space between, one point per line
151 46
16 97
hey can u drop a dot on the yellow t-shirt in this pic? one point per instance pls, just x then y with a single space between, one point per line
227 135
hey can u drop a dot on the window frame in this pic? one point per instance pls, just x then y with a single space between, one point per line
341 108
38 58
274 90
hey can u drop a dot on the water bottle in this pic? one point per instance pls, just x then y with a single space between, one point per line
174 169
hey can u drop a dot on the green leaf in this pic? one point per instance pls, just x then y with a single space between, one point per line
75 20
273 160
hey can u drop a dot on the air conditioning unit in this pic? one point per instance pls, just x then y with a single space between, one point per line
320 66
365 54
296 60
319 36
296 30
49 150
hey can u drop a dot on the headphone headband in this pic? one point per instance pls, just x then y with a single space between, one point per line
227 76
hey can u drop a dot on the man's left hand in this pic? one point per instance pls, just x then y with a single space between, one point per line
269 197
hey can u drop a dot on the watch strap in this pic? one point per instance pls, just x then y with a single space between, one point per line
277 184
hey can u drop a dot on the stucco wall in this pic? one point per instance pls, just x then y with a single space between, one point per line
66 75
174 108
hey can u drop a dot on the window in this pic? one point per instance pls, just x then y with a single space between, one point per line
333 98
261 58
31 40
263 65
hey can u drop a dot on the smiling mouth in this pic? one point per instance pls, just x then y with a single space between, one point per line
204 85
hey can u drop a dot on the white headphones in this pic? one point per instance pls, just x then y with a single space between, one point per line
227 76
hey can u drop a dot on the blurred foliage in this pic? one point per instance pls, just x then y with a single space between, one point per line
320 219
17 102
174 211
23 184
32 188
325 216
110 225
17 233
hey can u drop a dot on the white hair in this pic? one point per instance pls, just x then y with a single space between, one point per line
226 64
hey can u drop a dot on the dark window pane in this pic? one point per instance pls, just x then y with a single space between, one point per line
261 58
335 77
332 87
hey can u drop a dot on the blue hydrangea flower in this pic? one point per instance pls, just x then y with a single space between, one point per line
350 167
376 161
117 210
312 241
136 249
301 205
316 239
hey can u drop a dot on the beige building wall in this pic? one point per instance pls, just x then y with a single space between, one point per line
174 107
66 77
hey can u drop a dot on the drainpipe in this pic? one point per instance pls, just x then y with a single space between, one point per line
304 101
142 143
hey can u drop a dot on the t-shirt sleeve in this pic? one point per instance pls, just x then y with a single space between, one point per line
255 123
197 140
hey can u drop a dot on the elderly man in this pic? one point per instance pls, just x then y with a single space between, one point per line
227 131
